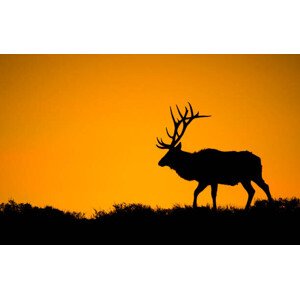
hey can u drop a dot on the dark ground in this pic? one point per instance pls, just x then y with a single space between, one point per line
139 224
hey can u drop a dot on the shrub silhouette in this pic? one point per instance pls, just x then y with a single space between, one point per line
142 224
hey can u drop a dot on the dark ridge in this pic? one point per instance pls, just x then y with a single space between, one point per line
141 224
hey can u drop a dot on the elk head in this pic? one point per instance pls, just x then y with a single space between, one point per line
174 147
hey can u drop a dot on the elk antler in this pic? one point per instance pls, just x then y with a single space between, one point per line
185 120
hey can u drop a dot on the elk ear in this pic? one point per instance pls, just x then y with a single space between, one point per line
178 147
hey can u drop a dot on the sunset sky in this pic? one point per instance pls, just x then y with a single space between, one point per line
78 132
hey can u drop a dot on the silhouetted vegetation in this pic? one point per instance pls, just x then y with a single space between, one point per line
141 224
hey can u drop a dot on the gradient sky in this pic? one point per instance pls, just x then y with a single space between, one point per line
79 131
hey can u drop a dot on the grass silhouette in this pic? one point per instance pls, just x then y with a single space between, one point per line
141 224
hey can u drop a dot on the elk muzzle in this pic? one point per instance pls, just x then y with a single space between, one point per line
162 162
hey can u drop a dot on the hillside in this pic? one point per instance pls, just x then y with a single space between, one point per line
140 224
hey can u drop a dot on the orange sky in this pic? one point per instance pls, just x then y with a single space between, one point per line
78 131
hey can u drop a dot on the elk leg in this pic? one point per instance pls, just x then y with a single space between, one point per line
262 184
250 190
199 189
214 189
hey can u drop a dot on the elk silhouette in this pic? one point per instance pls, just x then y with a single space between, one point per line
211 166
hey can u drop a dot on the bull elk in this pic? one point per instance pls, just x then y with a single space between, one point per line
210 166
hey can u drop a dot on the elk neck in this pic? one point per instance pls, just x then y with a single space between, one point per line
181 163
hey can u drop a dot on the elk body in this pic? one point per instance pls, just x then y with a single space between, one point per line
211 167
